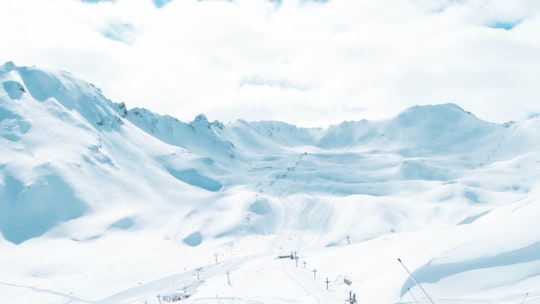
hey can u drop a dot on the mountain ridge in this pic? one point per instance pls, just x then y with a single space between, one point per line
410 136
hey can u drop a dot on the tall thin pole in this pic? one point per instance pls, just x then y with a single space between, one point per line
198 270
415 281
524 298
352 298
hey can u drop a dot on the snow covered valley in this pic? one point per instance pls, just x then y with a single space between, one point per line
104 204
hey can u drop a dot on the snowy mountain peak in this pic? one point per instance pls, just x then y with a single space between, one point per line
200 119
435 118
61 89
445 128
8 66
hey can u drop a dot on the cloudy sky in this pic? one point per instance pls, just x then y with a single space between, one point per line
307 62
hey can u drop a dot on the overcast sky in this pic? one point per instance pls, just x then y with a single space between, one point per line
307 62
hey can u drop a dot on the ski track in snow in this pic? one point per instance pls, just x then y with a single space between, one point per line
68 297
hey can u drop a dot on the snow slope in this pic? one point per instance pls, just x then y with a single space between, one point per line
101 204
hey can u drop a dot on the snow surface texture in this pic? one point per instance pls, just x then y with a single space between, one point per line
100 204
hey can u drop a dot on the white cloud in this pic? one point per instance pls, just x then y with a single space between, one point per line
302 62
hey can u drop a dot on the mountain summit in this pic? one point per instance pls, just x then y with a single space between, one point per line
105 204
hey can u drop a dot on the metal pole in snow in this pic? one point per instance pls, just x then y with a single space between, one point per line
352 298
415 281
524 298
198 270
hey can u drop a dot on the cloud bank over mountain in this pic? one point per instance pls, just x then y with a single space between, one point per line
310 63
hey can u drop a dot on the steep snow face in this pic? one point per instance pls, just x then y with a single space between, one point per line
155 198
68 92
38 134
67 152
199 136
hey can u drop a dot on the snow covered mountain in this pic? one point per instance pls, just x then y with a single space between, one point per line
101 204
